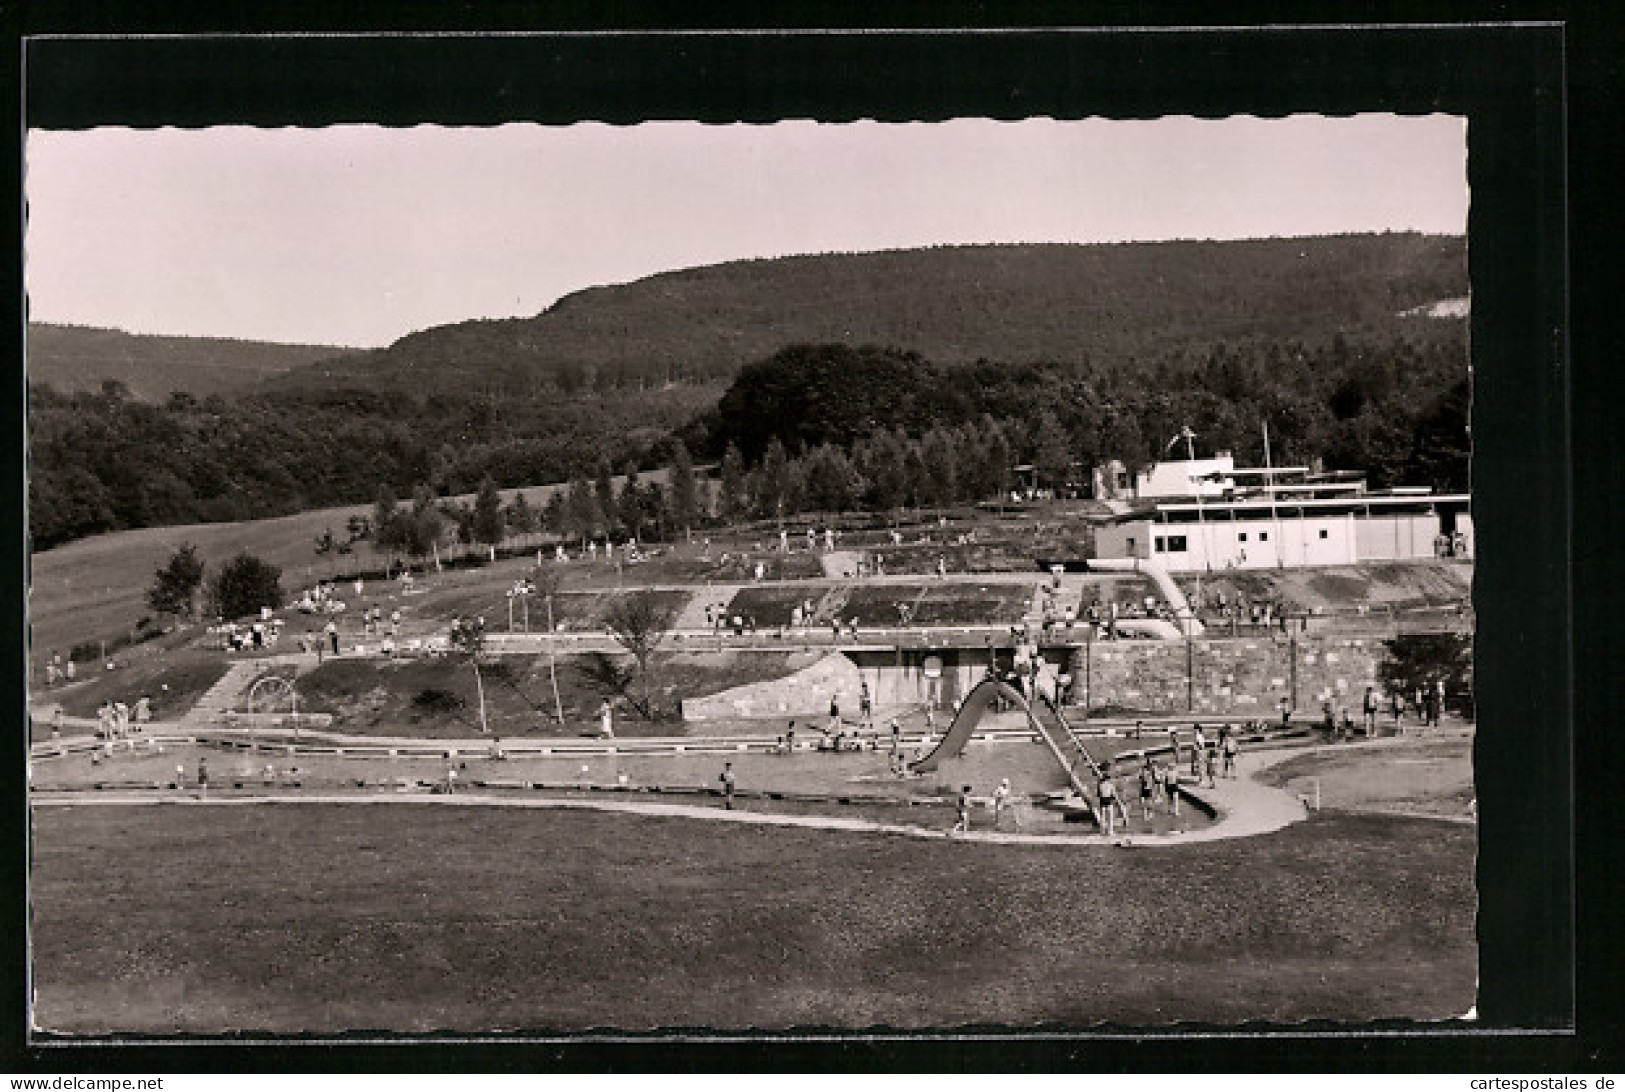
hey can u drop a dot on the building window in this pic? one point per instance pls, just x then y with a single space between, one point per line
1263 536
1176 544
1241 537
1158 547
1323 532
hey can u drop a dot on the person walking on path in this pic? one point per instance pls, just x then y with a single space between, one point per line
1210 766
962 825
727 779
1397 705
1369 708
332 631
1148 788
834 713
1231 746
865 707
1198 750
1108 802
1002 803
1170 785
203 775
606 719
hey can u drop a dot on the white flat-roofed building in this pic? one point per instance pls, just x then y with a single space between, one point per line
1213 477
1292 525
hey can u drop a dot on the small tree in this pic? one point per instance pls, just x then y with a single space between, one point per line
174 590
388 533
468 643
327 546
1416 661
640 621
1052 451
244 585
732 500
682 493
520 517
545 581
489 527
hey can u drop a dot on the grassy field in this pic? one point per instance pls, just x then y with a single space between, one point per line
1431 777
333 918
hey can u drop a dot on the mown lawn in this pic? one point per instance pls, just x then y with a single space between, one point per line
412 917
1419 776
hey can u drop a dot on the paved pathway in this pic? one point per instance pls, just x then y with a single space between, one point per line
1246 808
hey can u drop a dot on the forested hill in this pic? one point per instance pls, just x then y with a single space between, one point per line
1106 304
80 358
1329 339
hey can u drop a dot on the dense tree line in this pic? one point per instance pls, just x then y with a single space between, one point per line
105 461
1397 411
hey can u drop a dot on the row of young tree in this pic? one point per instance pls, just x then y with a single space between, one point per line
244 584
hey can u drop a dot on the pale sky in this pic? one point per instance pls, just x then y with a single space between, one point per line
356 235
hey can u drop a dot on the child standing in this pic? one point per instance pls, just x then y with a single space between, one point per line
962 824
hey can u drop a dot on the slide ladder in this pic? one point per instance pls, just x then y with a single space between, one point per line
970 714
1073 735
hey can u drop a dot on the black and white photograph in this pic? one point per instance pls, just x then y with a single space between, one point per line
581 578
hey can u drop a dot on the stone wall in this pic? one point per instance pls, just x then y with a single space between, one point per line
1233 675
1246 676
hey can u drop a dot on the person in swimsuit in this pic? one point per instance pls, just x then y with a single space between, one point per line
1106 792
1170 785
1148 788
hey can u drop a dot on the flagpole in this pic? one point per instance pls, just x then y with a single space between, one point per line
1201 523
1275 519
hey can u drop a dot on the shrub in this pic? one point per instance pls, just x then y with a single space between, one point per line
435 700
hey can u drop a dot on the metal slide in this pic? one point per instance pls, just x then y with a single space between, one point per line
970 715
1189 625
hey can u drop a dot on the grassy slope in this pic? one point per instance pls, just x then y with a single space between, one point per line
333 918
78 358
96 587
186 673
370 697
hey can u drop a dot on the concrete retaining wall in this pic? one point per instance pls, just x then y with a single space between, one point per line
803 693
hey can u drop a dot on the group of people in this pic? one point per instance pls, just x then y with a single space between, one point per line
237 637
1428 700
59 671
1452 545
829 536
116 720
1159 779
1003 800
